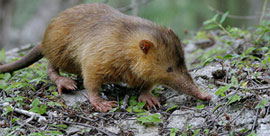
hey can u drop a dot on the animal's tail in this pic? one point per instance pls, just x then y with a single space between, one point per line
34 55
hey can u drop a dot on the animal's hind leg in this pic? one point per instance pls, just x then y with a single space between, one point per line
61 82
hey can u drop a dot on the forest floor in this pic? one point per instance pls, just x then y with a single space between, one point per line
231 64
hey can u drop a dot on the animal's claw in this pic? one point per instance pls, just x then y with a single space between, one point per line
65 83
150 99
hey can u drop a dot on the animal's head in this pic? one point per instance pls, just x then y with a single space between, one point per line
161 60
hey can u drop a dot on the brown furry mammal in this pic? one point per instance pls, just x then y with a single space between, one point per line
104 45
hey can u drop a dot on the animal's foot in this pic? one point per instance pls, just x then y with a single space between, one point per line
203 96
150 99
65 83
103 106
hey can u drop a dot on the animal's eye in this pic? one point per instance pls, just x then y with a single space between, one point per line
170 69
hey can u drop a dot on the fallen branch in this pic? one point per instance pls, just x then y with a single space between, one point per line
255 120
32 115
246 88
109 133
125 102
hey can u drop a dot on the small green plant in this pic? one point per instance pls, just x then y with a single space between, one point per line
234 98
200 106
2 56
152 118
172 108
262 103
173 131
252 134
47 133
196 132
37 108
221 91
216 22
135 106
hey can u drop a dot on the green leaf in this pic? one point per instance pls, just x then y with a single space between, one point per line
223 18
231 133
51 104
173 131
58 104
34 109
262 103
5 76
153 118
210 26
141 114
244 130
223 89
234 81
196 132
141 104
228 56
8 99
200 106
42 109
206 131
2 55
55 93
252 134
14 120
132 101
35 103
215 17
219 57
8 108
234 99
207 22
129 109
171 108
207 61
217 107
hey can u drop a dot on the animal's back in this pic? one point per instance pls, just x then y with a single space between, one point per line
68 33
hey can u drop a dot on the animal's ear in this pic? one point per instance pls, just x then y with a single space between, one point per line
145 45
171 32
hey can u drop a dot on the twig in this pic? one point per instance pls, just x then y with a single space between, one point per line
109 133
33 115
263 10
247 88
237 115
125 102
232 16
88 119
255 120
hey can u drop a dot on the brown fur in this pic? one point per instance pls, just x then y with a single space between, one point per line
104 45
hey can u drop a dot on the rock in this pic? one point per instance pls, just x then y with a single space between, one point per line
180 121
265 120
74 129
207 70
197 122
137 128
113 129
246 118
73 97
177 100
191 47
263 130
3 131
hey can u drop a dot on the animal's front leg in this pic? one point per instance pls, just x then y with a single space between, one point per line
93 83
148 97
61 82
